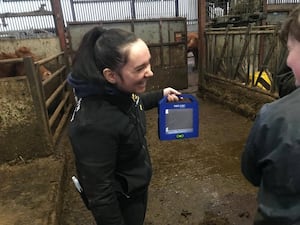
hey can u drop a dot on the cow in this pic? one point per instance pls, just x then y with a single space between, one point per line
12 69
192 46
23 52
8 69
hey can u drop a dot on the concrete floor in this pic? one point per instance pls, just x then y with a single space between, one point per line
195 181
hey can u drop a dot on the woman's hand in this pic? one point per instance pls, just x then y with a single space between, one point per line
172 94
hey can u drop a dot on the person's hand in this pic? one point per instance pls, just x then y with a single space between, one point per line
172 94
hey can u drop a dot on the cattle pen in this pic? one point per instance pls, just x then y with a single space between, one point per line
46 27
240 59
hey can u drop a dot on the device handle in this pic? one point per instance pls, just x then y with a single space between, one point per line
183 96
188 96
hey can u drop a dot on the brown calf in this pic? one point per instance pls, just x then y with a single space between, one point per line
192 46
13 69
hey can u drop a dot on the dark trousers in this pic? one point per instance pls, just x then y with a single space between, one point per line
134 208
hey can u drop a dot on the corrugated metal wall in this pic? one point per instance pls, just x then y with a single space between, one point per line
29 18
35 16
282 1
26 16
93 10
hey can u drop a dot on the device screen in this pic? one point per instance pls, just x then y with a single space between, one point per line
179 121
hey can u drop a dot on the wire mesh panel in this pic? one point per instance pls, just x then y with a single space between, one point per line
26 18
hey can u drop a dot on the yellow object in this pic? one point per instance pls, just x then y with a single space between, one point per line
263 82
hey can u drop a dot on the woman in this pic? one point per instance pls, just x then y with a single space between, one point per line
107 129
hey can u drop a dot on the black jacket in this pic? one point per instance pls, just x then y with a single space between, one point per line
108 139
271 160
285 81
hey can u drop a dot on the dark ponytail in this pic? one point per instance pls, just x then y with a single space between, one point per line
100 49
84 66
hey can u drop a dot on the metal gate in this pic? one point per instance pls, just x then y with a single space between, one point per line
33 112
247 56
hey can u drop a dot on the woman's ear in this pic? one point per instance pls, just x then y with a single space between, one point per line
109 75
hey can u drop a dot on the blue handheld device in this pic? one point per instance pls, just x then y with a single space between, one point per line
178 120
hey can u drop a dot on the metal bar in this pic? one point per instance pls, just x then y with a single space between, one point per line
61 124
55 94
58 109
254 59
73 10
239 32
254 89
267 58
55 74
243 52
11 60
264 27
59 22
133 15
176 8
223 51
24 14
201 40
45 60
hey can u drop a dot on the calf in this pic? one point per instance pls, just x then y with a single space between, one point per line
23 52
7 69
13 69
192 46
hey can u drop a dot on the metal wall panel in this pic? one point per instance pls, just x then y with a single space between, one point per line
28 16
166 38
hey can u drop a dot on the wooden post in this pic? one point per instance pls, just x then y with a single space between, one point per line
262 38
37 94
59 23
201 40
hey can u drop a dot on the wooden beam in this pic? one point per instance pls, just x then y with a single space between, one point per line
59 23
201 39
287 7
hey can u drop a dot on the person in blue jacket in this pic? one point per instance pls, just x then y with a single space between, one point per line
108 126
271 158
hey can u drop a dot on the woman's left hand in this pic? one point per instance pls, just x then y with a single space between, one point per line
172 94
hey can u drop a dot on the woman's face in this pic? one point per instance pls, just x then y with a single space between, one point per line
293 58
135 73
